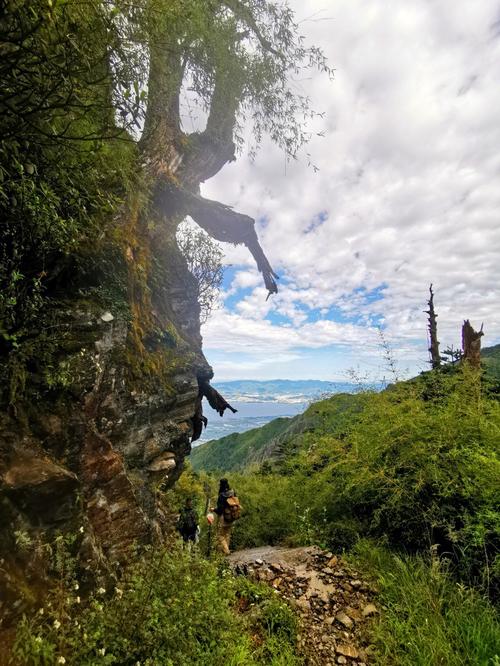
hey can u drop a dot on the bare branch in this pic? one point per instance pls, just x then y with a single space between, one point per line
226 225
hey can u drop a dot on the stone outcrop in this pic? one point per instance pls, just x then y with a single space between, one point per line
105 416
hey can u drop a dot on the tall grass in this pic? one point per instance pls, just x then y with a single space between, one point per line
428 619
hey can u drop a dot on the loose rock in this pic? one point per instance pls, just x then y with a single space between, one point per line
369 609
330 599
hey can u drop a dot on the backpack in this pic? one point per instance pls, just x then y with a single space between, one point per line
232 509
187 522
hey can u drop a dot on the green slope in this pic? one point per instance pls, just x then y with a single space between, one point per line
237 450
279 438
491 360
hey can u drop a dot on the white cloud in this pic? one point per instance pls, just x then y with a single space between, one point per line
408 177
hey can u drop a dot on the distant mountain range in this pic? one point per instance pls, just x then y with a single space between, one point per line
281 390
249 435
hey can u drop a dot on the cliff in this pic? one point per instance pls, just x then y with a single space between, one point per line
101 367
103 411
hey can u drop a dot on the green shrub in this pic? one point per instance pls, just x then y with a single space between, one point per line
168 607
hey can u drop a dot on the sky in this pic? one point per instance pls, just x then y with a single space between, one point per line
407 193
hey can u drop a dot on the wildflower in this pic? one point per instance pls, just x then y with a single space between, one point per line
102 651
41 611
119 592
101 590
76 586
81 530
77 599
61 660
57 624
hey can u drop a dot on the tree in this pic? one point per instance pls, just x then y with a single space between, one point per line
237 57
432 327
93 148
471 344
204 259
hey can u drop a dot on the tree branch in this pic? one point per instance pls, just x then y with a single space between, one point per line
210 150
226 225
245 15
215 399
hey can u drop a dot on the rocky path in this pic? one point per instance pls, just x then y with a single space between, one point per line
333 602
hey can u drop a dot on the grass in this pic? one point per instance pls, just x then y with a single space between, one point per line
428 619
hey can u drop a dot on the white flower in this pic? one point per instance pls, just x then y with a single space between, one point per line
61 660
101 590
77 600
81 530
102 651
57 624
119 592
76 586
41 611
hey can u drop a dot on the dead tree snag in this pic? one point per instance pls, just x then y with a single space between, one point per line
435 360
471 344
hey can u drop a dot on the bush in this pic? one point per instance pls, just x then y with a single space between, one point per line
169 607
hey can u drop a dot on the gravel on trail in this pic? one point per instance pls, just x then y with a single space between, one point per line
333 602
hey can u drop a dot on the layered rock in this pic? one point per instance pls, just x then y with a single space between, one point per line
106 415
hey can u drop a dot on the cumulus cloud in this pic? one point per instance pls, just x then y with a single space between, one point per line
407 192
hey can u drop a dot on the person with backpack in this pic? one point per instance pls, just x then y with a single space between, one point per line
187 523
228 509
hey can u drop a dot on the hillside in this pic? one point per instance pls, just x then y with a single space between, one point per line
491 360
416 465
239 449
278 438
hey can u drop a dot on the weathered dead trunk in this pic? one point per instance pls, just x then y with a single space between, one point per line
432 328
471 344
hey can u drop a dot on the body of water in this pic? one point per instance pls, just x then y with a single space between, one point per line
249 415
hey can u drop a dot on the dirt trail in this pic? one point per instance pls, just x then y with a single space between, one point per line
333 602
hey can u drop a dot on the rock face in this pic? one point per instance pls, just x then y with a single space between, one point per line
105 416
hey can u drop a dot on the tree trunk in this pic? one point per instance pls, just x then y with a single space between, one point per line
432 327
471 344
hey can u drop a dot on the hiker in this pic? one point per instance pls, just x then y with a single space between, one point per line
187 524
228 509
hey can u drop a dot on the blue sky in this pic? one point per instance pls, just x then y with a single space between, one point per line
406 194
